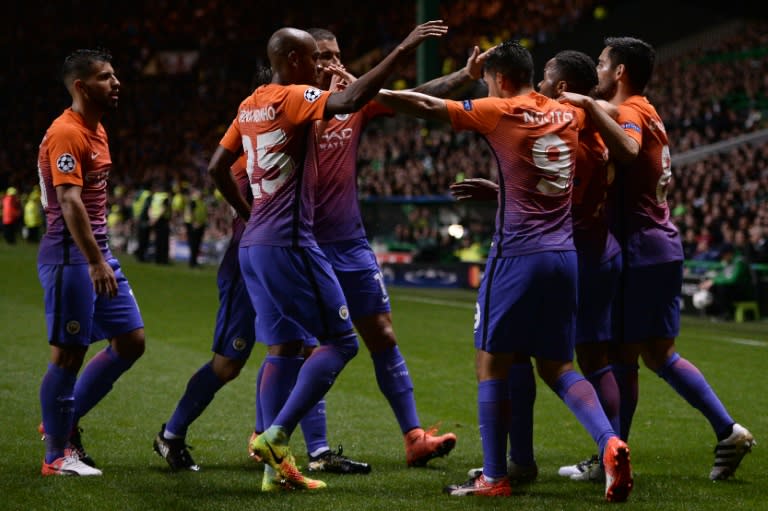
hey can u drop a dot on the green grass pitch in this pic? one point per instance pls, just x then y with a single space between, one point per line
671 442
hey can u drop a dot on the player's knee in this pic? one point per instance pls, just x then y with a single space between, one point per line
68 357
377 332
347 346
226 369
130 346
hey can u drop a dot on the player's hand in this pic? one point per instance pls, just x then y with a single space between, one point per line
474 66
103 278
435 28
340 77
475 188
578 100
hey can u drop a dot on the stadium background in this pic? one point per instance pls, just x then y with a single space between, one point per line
185 65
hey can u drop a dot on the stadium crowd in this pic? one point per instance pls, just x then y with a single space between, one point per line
173 111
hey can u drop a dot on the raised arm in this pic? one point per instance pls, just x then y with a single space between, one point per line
357 94
458 82
623 148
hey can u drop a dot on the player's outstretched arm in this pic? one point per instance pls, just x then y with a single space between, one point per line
475 188
623 148
456 83
415 104
219 170
365 88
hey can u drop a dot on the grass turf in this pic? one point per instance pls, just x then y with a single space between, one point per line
671 442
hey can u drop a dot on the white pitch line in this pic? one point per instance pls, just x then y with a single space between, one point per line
746 342
433 301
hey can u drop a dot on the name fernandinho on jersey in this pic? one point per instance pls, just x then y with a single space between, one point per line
265 113
551 117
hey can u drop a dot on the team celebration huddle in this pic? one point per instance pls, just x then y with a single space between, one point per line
585 262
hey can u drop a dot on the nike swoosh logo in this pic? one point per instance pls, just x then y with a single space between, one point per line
94 155
390 367
278 459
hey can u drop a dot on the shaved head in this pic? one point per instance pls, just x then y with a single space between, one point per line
284 41
293 56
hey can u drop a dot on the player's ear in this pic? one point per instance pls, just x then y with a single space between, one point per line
562 86
292 57
620 69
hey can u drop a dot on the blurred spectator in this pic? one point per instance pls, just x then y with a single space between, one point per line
11 215
33 216
731 284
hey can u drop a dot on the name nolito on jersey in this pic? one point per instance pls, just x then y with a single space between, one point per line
551 117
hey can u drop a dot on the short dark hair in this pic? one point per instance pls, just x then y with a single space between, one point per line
78 64
321 34
578 69
513 61
262 76
637 56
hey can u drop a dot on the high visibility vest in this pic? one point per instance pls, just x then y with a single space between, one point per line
33 214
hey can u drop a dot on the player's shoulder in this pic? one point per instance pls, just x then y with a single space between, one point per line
67 126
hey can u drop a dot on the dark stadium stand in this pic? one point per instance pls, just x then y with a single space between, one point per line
184 69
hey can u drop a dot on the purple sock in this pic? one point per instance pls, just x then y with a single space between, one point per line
277 381
199 393
580 397
58 407
522 391
396 385
626 380
97 379
315 379
493 410
258 426
688 381
608 392
314 427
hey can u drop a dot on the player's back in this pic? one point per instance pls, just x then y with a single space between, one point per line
274 127
71 153
535 140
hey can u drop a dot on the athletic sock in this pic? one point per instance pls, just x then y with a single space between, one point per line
607 391
201 388
688 381
57 402
580 397
277 381
97 379
626 380
522 391
396 385
314 379
493 409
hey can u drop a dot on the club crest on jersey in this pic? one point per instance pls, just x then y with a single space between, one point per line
73 327
239 344
312 94
66 163
342 117
467 105
344 312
